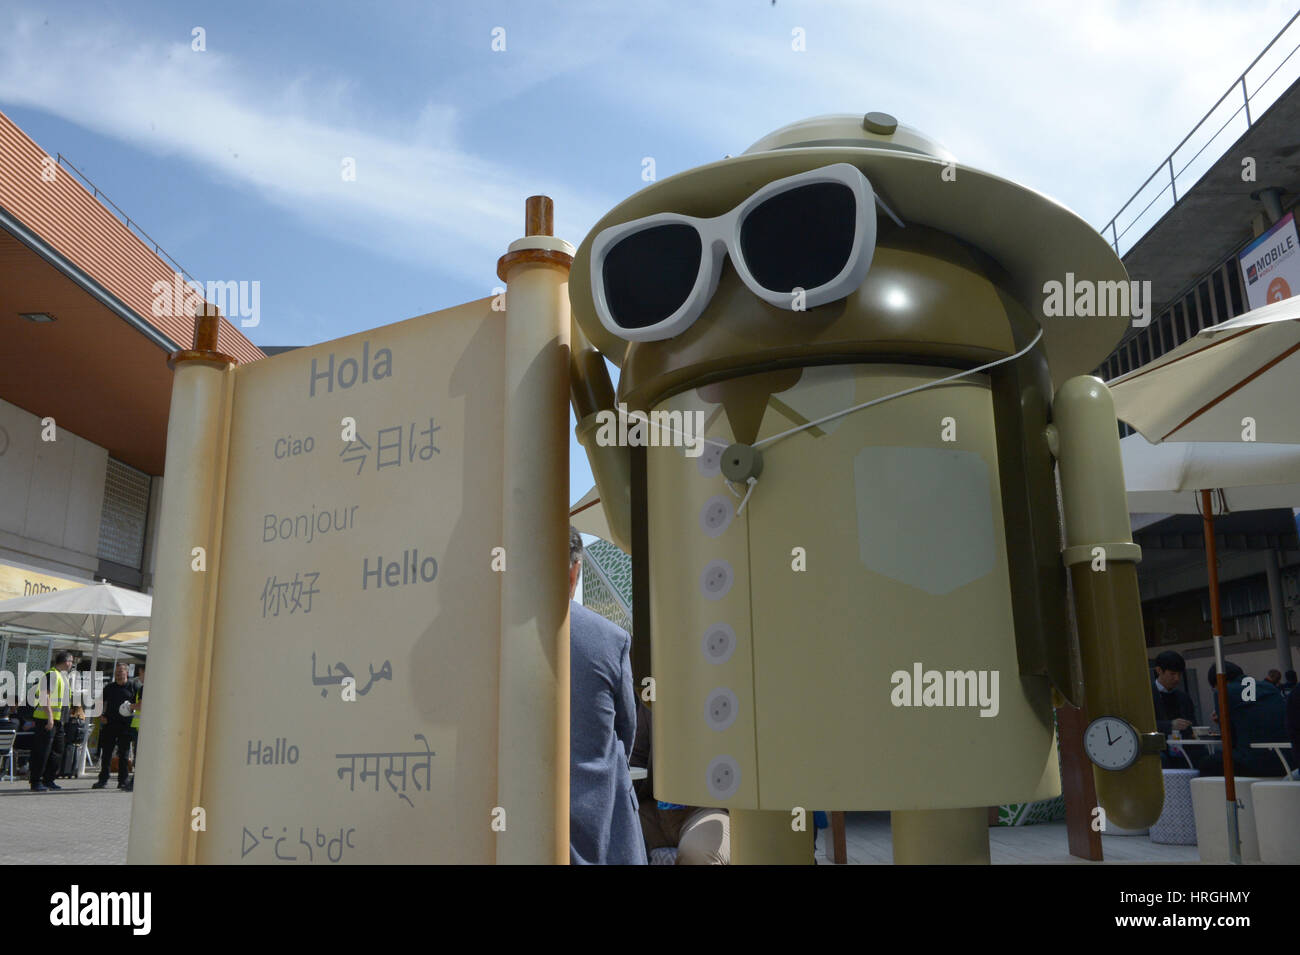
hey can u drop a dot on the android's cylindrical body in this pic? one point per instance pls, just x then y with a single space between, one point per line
847 640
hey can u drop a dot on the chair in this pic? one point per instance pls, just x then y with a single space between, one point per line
7 737
1209 804
1277 807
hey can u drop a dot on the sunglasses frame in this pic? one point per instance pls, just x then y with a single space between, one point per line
720 238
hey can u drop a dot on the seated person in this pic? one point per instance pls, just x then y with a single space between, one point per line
1173 706
1261 720
1293 728
700 836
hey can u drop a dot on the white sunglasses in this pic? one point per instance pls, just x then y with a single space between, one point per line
814 233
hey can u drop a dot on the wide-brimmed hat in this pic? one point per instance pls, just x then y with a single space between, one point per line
1036 240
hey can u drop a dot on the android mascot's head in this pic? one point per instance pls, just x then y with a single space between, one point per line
857 242
839 239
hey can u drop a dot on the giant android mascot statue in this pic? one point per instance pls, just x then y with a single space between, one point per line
858 595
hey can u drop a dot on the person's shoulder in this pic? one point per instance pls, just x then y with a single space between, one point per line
585 622
589 618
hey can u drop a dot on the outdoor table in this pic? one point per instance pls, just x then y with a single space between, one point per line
1277 748
1171 743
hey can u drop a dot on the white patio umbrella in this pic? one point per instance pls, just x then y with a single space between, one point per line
1237 382
588 516
1245 368
1200 477
93 612
1168 478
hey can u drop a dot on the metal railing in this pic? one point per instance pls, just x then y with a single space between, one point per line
1194 168
126 220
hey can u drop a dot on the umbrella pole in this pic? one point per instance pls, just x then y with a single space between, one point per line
94 668
1221 680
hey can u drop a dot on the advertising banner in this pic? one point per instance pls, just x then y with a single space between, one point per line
1270 266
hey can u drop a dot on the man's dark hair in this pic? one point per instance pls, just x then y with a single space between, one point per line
1290 676
63 656
1230 669
575 545
1170 660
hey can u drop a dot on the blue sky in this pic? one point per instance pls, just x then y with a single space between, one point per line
230 157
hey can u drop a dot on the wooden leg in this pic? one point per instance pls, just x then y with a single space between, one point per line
839 839
1077 784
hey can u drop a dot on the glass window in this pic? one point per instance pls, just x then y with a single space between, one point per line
126 511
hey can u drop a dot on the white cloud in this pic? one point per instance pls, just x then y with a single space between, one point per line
1077 100
417 194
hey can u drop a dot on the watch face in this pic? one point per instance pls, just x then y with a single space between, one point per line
1111 743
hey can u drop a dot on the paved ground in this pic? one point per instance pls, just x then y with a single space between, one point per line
868 838
82 825
76 825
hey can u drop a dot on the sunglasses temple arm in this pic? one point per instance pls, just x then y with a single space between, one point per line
591 393
888 211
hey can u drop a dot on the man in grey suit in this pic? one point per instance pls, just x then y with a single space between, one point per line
604 825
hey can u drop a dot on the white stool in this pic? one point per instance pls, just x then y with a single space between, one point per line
1277 820
1177 823
1210 805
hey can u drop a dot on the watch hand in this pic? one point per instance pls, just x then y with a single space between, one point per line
1109 741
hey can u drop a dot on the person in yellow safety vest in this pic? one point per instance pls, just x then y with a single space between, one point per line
135 721
47 738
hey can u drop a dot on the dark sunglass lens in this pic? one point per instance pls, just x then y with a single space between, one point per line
650 274
800 238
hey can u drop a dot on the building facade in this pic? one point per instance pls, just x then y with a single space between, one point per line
85 389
